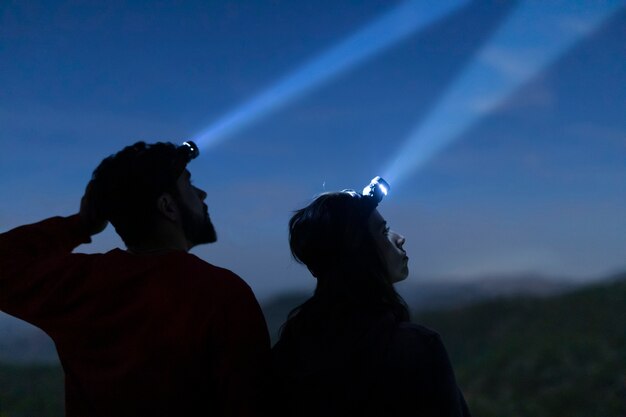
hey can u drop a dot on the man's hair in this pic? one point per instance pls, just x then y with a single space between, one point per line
127 185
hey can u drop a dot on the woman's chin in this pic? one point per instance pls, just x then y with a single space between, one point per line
401 277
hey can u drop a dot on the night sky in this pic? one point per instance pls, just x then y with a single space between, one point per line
533 182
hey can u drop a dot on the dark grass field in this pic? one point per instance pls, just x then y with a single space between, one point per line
31 391
561 356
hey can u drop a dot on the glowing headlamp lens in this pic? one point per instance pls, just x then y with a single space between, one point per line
191 149
377 189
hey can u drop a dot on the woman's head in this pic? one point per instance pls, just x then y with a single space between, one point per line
341 235
345 243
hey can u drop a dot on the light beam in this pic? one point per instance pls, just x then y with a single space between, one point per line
395 25
533 37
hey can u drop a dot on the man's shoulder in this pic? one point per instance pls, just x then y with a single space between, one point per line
196 262
205 272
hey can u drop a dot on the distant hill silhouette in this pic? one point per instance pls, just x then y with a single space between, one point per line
440 295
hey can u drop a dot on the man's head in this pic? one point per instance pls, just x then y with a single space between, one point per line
145 191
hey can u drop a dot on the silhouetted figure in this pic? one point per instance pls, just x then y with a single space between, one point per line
350 349
147 331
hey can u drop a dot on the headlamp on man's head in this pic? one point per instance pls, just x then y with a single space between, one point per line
377 189
189 149
184 154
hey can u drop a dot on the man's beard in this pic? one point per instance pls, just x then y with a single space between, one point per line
198 230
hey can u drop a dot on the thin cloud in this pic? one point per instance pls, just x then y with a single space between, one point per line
575 24
536 97
513 64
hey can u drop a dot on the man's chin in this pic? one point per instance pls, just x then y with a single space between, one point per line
208 235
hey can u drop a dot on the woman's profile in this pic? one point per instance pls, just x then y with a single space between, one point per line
350 349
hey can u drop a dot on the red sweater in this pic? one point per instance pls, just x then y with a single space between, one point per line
137 335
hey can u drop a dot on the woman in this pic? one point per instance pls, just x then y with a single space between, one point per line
350 349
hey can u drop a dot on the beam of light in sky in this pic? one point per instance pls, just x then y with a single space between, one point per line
390 28
533 37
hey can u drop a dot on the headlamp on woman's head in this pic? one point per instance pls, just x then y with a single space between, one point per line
377 189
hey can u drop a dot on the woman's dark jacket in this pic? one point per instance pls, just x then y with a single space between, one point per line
377 367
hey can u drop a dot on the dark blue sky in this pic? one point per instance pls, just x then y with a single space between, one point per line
536 182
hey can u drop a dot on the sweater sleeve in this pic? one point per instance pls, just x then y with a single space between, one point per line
32 258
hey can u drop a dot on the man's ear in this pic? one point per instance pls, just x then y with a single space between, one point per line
167 207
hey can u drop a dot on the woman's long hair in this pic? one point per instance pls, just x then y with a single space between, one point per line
332 238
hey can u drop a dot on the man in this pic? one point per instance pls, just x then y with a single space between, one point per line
150 331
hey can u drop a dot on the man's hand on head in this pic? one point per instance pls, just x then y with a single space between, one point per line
93 221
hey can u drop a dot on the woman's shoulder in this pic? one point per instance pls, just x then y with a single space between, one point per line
416 345
418 373
406 331
416 331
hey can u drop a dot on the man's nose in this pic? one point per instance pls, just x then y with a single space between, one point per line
400 241
201 193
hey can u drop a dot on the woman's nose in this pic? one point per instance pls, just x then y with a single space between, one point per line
400 241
